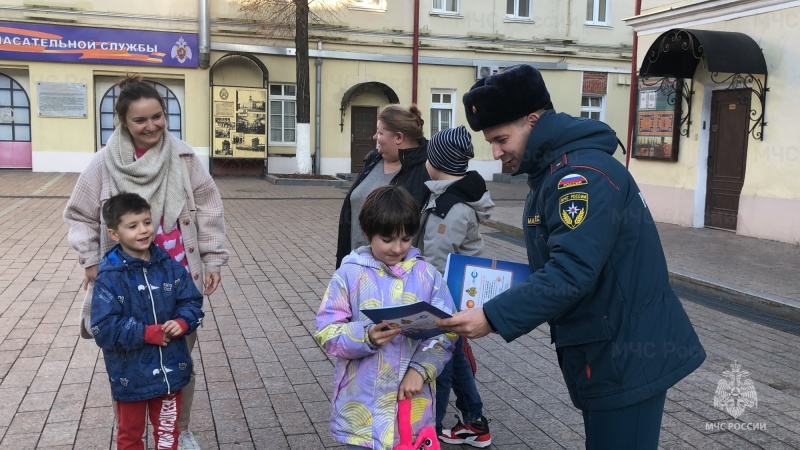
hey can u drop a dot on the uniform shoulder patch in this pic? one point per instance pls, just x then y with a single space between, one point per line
572 180
574 208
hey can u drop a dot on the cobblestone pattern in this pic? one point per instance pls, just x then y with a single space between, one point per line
262 381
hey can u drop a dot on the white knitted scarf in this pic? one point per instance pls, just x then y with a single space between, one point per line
156 176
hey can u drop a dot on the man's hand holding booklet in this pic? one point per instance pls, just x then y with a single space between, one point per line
471 280
415 319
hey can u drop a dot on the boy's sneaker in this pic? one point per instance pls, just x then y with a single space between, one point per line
186 441
475 434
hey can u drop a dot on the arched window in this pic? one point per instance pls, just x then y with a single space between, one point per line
109 101
15 111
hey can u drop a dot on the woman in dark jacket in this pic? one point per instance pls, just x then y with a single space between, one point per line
399 160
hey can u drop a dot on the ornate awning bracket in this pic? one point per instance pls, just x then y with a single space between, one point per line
748 82
731 58
666 86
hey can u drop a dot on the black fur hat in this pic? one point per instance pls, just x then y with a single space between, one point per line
506 96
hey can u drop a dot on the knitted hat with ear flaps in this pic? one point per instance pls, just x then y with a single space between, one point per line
506 96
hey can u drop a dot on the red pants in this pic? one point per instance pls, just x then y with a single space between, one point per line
164 413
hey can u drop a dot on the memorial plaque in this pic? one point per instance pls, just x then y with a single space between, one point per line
61 99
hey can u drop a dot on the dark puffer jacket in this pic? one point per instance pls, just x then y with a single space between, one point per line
599 276
412 176
129 294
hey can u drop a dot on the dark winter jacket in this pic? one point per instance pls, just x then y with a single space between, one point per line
129 294
599 276
412 176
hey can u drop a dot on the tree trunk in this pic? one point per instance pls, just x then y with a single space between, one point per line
303 132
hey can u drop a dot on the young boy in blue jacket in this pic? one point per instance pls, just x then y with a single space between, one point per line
143 304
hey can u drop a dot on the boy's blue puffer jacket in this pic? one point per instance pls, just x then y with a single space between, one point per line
129 294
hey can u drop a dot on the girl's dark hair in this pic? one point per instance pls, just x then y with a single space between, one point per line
388 211
121 204
132 88
406 120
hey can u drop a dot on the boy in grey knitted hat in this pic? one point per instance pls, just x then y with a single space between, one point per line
459 202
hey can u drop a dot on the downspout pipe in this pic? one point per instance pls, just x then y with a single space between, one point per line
415 54
205 35
634 88
317 113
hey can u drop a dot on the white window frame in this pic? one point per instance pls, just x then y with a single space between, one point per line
368 5
106 92
439 105
515 15
283 99
591 109
442 7
595 20
15 110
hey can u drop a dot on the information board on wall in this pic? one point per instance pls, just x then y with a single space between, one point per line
61 99
657 128
239 122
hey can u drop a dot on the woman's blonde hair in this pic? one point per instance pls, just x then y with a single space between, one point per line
406 120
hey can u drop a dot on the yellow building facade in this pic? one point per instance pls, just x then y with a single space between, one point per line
736 153
231 87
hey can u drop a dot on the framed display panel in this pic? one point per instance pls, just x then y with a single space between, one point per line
239 123
658 120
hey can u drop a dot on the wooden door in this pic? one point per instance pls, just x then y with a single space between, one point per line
362 126
727 154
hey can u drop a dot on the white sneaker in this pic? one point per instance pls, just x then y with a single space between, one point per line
186 441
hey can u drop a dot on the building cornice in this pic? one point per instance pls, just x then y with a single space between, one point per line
704 12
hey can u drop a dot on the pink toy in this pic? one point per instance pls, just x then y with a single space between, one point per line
427 436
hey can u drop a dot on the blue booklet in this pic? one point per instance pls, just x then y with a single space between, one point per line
416 319
473 280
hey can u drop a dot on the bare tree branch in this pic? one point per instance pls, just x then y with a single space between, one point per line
276 18
282 19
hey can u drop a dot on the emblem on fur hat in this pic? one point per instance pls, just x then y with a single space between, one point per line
506 96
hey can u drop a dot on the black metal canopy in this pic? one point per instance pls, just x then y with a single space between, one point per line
730 58
360 88
677 52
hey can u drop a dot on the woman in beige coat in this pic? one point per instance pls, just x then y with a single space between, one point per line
143 158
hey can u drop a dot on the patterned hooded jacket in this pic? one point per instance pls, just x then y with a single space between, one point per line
366 378
130 294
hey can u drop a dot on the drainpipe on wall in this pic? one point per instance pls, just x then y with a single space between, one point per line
415 54
205 36
634 89
569 18
318 106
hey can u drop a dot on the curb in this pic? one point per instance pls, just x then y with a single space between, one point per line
303 182
508 179
505 228
762 301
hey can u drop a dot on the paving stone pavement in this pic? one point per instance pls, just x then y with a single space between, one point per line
264 383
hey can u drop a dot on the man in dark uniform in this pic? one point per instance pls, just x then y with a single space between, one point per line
598 272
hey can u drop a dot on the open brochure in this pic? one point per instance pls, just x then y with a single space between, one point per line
473 280
416 319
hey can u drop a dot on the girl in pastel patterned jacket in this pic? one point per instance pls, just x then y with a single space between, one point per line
376 365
